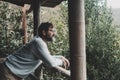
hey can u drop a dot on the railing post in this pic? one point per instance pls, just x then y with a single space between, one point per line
24 25
77 39
36 15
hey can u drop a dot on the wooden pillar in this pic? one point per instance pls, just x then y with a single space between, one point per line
36 19
24 25
77 39
36 15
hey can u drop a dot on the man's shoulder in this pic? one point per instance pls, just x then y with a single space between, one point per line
35 38
38 40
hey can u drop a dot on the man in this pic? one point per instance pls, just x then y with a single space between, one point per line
20 64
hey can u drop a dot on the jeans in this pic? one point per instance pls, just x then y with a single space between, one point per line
6 74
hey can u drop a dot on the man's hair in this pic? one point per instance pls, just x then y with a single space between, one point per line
44 26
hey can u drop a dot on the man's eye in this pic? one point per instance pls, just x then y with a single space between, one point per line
52 30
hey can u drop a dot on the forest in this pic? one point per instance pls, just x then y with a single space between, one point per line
102 38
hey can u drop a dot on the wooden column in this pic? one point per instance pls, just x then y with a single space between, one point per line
36 15
24 25
77 39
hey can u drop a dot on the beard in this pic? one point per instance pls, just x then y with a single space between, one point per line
50 38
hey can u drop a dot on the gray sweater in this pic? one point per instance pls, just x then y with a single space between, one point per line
30 56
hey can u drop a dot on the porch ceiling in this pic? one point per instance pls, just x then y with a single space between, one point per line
46 3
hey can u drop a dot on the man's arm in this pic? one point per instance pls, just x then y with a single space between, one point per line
65 62
52 61
66 72
44 54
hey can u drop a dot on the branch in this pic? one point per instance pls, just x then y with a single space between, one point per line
66 72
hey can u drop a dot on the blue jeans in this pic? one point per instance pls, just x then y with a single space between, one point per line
6 74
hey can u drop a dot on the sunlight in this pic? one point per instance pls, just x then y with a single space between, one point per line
114 3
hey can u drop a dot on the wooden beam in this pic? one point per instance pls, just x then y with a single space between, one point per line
36 15
46 3
62 70
77 39
24 25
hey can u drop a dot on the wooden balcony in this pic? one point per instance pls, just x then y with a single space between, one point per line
45 3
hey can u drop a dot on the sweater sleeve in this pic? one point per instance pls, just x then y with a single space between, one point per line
44 54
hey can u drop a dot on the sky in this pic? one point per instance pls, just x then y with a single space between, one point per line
114 3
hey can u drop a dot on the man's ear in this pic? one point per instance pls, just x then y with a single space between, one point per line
44 33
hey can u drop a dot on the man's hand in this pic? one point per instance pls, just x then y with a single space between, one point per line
66 63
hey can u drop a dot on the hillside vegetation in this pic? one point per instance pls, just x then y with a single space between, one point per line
116 14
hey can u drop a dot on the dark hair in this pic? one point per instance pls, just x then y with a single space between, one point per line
44 26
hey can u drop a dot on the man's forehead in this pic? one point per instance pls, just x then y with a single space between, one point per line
52 28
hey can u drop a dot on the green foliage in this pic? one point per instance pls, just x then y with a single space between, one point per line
10 37
102 43
11 28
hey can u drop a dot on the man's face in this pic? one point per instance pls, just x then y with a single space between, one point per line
50 34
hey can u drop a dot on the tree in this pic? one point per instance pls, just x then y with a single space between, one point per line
10 37
102 42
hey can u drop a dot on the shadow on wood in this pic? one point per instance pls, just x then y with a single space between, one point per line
46 3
